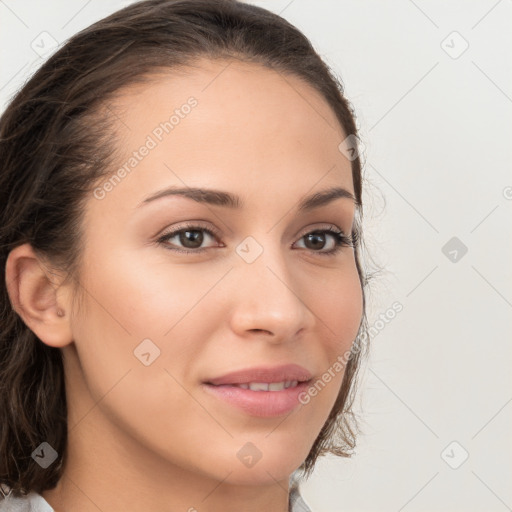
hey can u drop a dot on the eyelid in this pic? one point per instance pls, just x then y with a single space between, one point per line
190 225
324 227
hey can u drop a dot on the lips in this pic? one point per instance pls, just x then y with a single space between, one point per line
284 373
264 392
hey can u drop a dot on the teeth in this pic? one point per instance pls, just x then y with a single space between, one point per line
265 386
258 386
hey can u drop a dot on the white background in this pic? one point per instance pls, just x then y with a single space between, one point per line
436 126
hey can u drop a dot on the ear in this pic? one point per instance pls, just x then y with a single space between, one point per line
36 296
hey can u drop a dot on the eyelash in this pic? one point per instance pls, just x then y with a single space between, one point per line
340 238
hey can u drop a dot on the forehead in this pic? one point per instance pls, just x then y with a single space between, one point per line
229 124
226 84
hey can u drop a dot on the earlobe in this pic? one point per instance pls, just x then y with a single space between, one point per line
36 297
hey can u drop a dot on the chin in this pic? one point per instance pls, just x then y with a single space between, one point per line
269 465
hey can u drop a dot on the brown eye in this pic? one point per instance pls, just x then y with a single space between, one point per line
193 237
190 238
317 240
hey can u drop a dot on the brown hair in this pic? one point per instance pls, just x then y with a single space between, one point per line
47 136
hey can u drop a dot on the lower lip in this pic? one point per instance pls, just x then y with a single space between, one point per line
264 404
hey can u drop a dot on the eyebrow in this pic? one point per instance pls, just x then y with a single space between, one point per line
229 200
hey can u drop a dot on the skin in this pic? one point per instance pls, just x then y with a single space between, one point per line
148 437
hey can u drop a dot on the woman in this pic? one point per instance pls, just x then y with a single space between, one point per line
183 309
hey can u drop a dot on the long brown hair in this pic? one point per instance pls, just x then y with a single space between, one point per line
47 136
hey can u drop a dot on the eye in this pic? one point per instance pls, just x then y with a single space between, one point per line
190 236
318 238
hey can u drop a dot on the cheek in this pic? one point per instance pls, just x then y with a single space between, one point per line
139 298
337 303
339 306
127 303
123 307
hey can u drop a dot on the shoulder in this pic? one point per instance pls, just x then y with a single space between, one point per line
32 502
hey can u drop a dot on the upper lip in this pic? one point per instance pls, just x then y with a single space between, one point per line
283 373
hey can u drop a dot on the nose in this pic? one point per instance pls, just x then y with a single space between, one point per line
269 300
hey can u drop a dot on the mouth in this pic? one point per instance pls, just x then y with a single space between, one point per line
266 386
284 374
262 392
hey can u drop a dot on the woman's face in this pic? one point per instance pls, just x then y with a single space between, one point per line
160 330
